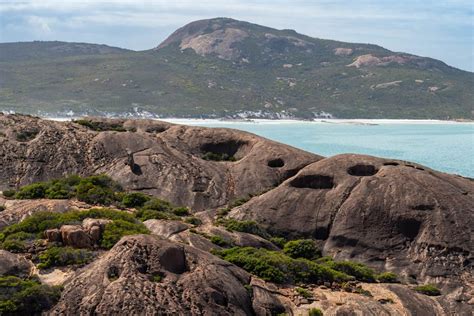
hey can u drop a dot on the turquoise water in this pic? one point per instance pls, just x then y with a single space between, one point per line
447 147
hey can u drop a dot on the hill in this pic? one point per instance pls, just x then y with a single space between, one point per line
227 68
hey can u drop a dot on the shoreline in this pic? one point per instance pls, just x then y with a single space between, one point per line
363 122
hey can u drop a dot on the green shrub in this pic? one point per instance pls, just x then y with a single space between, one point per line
279 241
9 193
250 227
25 297
26 135
277 267
193 221
93 194
158 205
303 292
135 199
387 277
146 214
302 248
32 191
14 245
315 312
63 256
117 229
180 211
357 270
34 226
156 277
428 289
218 240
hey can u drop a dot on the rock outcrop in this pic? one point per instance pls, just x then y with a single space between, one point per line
168 159
13 264
390 214
148 276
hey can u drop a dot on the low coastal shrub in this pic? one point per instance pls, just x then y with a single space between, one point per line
279 241
9 193
355 269
428 289
303 292
250 227
117 229
64 256
98 189
315 312
387 277
278 267
26 297
158 209
218 240
302 248
135 199
33 227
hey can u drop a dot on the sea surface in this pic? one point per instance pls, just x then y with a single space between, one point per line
444 146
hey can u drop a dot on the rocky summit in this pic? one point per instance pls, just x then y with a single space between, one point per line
143 217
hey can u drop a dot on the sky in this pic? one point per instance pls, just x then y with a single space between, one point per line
441 29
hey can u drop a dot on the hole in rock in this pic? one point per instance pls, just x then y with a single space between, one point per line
113 273
409 227
222 151
313 182
391 163
276 163
361 170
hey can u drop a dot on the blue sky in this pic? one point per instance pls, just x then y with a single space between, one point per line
438 29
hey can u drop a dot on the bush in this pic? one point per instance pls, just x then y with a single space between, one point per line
2 208
25 297
119 228
64 256
302 248
387 277
34 226
315 312
193 221
14 245
218 240
159 209
250 227
98 189
357 270
180 211
428 289
32 191
9 193
135 199
279 241
277 267
303 292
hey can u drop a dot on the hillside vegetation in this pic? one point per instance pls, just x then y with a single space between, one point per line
228 68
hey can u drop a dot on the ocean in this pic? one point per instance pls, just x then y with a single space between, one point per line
440 145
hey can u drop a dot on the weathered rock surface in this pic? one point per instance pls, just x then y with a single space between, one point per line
167 158
165 228
12 264
17 210
123 281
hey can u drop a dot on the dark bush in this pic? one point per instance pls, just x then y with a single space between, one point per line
101 126
357 270
2 208
428 289
180 211
119 228
64 256
9 193
302 248
279 241
387 277
315 312
250 227
32 191
277 267
135 199
25 297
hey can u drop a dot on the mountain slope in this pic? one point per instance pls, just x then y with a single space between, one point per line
227 68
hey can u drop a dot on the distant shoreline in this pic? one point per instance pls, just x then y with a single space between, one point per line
368 122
